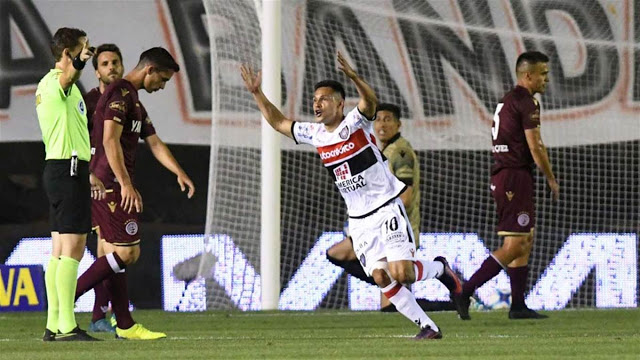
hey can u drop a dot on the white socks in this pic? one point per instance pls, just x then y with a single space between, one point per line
406 304
427 269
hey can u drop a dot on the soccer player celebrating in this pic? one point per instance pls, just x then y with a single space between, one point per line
517 146
382 237
68 184
403 163
120 120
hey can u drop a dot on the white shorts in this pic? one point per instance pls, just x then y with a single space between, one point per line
384 234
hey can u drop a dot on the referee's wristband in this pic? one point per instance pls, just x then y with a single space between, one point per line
78 64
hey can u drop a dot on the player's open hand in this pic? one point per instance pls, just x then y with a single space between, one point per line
131 199
185 182
98 192
345 67
87 51
251 80
555 189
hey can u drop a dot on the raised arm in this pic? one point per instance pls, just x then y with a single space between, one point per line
165 157
72 74
541 158
368 100
274 117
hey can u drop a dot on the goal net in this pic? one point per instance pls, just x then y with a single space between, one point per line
446 64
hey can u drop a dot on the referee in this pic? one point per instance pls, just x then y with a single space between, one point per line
63 122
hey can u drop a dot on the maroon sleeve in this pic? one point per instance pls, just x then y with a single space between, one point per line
147 126
530 113
118 104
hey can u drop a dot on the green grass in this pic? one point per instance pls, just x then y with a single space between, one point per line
577 334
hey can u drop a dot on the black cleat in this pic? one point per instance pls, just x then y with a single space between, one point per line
462 303
76 334
428 333
449 277
525 313
48 335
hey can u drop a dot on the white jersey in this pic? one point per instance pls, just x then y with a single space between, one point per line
354 161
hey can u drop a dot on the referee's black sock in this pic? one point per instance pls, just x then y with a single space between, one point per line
352 267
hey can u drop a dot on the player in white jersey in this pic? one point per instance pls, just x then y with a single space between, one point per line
381 232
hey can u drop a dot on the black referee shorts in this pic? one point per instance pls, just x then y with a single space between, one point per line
69 197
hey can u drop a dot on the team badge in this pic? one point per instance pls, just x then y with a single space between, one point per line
363 260
131 227
112 206
124 92
510 195
523 219
344 133
81 107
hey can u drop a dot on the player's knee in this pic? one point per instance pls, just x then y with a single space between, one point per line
381 277
342 251
403 276
128 255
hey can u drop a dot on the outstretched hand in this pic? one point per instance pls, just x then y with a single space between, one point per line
345 67
251 80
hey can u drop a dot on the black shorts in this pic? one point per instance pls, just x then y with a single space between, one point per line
69 197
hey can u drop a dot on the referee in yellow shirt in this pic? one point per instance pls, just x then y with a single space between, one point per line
69 187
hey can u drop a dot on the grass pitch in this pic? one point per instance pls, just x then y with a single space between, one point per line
573 334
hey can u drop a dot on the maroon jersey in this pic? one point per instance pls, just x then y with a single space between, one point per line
516 112
91 100
119 103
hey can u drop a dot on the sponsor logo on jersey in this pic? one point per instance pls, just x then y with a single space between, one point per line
499 148
344 133
112 206
342 172
136 126
118 105
324 155
342 150
351 184
124 92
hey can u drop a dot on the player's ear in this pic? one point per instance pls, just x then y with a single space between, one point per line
97 74
150 69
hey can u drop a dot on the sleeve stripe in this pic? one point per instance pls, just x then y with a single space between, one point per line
293 134
365 116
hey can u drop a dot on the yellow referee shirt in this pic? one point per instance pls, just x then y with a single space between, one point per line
63 119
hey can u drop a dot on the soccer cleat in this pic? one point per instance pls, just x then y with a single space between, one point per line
102 325
462 303
48 335
448 277
76 334
428 333
113 321
138 332
525 313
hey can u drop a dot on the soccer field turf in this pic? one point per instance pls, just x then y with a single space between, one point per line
573 334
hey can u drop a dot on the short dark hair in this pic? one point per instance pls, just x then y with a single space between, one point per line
105 48
160 58
65 38
531 57
394 109
335 85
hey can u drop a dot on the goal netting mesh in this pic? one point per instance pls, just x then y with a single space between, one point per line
446 64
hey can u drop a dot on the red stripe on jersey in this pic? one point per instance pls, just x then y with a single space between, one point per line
389 294
373 140
342 150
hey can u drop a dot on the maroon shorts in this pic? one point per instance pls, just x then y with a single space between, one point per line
512 190
116 226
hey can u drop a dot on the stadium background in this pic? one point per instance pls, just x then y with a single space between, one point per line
599 181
